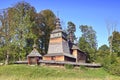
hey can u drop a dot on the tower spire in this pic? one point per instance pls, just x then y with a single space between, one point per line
58 25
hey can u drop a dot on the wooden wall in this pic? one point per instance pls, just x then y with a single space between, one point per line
80 56
56 40
55 58
75 53
33 60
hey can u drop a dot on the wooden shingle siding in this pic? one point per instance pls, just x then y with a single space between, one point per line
74 53
55 40
59 58
53 58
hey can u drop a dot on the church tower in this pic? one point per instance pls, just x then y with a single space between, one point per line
58 49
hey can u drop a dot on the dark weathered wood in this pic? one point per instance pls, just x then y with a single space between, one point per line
71 63
62 63
21 62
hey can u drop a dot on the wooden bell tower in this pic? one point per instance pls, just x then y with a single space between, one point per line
58 45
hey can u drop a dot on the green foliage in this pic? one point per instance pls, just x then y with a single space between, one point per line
46 25
90 35
71 28
104 48
111 63
84 46
21 27
2 56
23 20
17 22
88 42
106 62
69 66
6 33
103 55
110 58
115 68
116 43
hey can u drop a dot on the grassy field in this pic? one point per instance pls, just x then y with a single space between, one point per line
25 72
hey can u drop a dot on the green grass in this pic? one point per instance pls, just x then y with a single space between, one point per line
25 72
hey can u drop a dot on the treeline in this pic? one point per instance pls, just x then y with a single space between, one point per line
108 56
21 26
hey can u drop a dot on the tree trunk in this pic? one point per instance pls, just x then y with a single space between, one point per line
7 58
111 45
20 56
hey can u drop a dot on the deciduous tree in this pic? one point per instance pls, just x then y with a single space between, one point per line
88 42
47 24
6 32
22 18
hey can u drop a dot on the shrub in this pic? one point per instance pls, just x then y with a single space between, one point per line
115 69
106 62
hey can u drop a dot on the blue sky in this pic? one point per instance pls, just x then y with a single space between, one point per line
95 13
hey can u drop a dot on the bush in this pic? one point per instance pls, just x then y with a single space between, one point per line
106 62
111 64
69 66
115 69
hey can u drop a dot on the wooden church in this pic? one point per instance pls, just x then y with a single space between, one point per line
60 49
34 57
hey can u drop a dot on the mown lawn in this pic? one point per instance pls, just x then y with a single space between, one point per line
25 72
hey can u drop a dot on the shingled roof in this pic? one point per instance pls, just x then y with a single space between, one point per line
58 26
34 52
60 54
57 30
75 47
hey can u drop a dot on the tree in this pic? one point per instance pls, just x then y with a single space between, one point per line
71 28
115 54
47 24
116 43
111 26
111 62
84 45
21 27
102 55
103 48
114 50
6 32
22 18
88 41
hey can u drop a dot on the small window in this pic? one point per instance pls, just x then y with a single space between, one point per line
53 58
